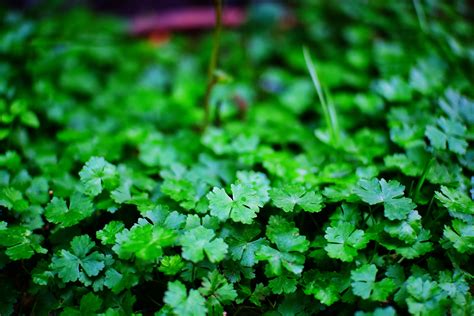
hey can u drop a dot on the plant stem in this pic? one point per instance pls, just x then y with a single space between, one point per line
327 105
332 117
375 252
420 14
428 212
211 80
422 178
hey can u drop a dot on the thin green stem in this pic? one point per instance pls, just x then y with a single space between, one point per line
430 206
327 106
211 80
375 252
332 116
422 178
420 14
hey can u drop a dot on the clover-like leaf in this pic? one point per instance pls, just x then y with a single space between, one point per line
289 196
184 303
448 133
218 291
199 241
325 286
290 246
12 199
406 230
242 247
419 247
79 263
108 234
58 212
389 193
461 235
283 284
145 242
285 235
365 286
20 242
96 174
344 240
456 201
258 182
242 207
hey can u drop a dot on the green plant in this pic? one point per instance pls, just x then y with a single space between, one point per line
113 202
211 75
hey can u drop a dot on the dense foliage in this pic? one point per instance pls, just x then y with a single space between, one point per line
335 180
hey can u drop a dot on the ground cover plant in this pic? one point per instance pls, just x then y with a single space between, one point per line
333 174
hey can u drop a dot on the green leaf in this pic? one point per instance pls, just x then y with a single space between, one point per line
21 243
257 182
90 304
394 89
108 234
456 201
283 284
327 287
12 199
145 242
424 297
363 280
406 230
364 285
406 163
218 292
290 246
241 246
448 134
278 260
171 265
185 186
182 303
79 263
347 213
289 196
285 235
155 151
58 212
379 311
10 160
419 247
30 119
37 192
375 191
461 235
242 207
96 174
457 106
390 193
344 240
121 277
259 294
199 241
162 216
122 193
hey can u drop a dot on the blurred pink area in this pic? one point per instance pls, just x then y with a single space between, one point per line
185 19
